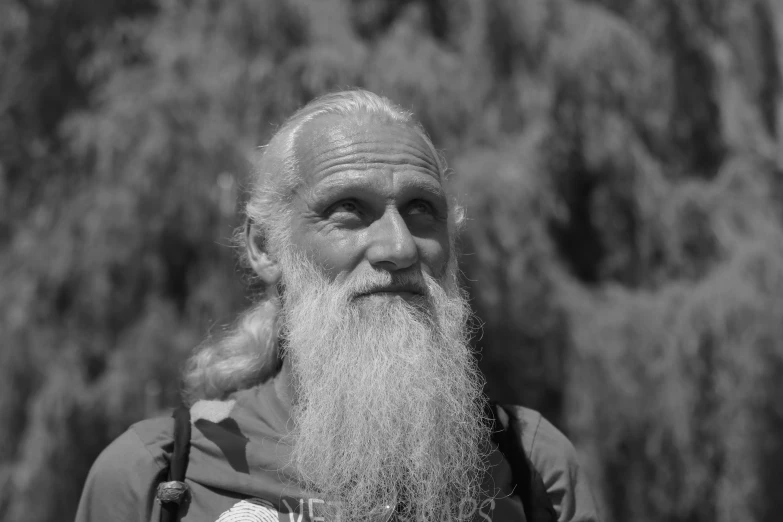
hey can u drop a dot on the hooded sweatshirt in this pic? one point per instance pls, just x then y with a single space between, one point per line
237 472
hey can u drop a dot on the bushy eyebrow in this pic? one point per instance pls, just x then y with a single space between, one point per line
360 181
334 185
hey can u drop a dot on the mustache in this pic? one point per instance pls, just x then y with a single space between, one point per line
412 281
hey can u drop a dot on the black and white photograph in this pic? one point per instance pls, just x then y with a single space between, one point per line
391 260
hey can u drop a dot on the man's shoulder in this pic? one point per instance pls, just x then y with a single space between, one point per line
143 447
556 461
156 435
121 481
540 438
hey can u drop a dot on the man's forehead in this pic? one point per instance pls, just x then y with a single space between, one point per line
332 143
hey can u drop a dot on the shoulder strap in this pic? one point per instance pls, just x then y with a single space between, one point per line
173 492
528 484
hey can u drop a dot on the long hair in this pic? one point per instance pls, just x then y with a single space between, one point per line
248 353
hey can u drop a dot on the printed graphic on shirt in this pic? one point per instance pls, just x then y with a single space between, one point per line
312 510
251 510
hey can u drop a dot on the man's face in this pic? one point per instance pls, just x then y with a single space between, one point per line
371 198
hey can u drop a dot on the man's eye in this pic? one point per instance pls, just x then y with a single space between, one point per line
345 206
420 207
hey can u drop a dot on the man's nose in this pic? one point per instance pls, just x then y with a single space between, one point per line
392 246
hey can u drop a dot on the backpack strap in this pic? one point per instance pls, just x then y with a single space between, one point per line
172 493
527 482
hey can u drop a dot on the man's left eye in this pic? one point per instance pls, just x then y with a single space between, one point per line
420 207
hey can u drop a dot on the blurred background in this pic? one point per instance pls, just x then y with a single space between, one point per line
621 162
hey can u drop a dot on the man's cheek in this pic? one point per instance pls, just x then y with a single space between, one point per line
334 259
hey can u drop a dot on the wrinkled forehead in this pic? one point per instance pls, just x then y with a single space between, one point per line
334 142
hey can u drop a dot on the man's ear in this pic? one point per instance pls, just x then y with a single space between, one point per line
260 260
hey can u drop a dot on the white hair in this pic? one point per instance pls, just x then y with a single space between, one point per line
248 353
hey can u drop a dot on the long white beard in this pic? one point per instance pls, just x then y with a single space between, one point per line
388 401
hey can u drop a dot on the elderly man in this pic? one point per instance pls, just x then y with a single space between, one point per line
349 391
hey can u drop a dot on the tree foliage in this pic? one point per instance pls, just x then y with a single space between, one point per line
620 162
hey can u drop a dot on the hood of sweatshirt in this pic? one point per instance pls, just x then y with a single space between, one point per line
238 459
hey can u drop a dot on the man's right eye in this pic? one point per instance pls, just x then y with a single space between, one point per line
347 210
346 206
